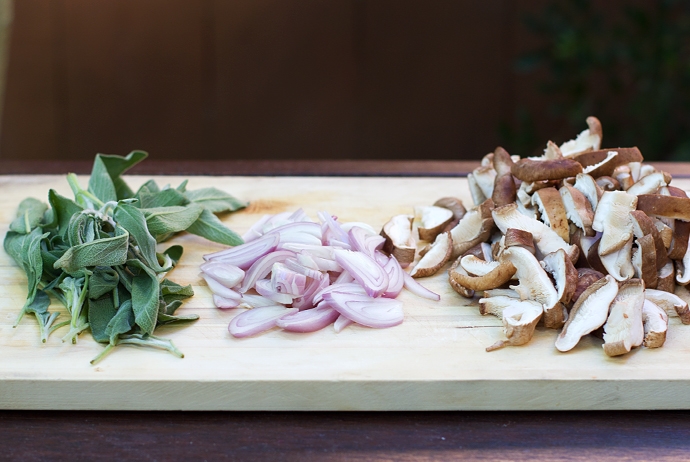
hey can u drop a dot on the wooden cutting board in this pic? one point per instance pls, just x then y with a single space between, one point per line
435 360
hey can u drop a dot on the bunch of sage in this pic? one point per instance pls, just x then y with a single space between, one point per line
97 254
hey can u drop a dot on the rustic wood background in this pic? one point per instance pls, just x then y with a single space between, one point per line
263 79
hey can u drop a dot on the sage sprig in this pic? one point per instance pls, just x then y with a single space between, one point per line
97 254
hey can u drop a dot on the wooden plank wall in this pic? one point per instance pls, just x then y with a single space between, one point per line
261 79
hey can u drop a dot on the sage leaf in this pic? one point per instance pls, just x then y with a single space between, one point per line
162 221
121 323
171 291
210 227
101 183
103 280
215 200
116 166
39 307
29 215
167 319
165 198
101 312
174 252
145 294
63 211
133 219
101 252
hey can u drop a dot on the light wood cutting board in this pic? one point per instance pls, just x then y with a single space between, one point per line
435 360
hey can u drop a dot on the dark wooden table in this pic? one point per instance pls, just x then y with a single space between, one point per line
548 436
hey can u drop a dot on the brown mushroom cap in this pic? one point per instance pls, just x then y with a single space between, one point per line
585 278
552 210
643 226
400 241
608 183
453 204
431 220
539 170
624 156
460 289
657 205
666 278
577 208
655 322
564 274
518 237
644 260
505 191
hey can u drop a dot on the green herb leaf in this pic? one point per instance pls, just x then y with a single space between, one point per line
103 280
174 252
162 221
116 166
145 294
39 307
101 312
165 198
101 252
121 323
132 219
167 319
101 183
63 211
210 227
29 215
215 200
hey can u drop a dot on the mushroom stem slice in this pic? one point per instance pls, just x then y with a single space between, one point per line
624 329
589 312
655 322
519 321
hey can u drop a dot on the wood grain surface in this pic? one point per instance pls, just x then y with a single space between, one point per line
435 360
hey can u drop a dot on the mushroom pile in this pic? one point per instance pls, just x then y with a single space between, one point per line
581 239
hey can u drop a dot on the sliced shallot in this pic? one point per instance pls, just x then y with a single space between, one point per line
257 320
365 270
309 320
378 313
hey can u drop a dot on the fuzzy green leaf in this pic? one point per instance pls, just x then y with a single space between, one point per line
145 294
210 227
215 200
29 215
101 252
162 221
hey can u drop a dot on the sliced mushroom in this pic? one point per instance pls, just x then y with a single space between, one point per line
539 170
679 242
655 322
481 182
593 258
650 184
596 169
588 314
504 191
608 183
494 278
665 231
495 304
501 293
619 263
657 205
519 320
666 278
577 208
644 226
588 186
400 241
435 258
517 237
624 329
671 303
564 274
460 289
552 151
587 140
612 218
552 210
585 278
624 156
453 204
431 220
644 261
473 228
546 239
534 283
476 266
683 269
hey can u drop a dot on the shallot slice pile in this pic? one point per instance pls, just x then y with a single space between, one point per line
302 276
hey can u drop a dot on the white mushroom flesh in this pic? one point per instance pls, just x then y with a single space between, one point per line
655 322
612 218
624 329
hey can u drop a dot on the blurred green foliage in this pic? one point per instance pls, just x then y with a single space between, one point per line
628 64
